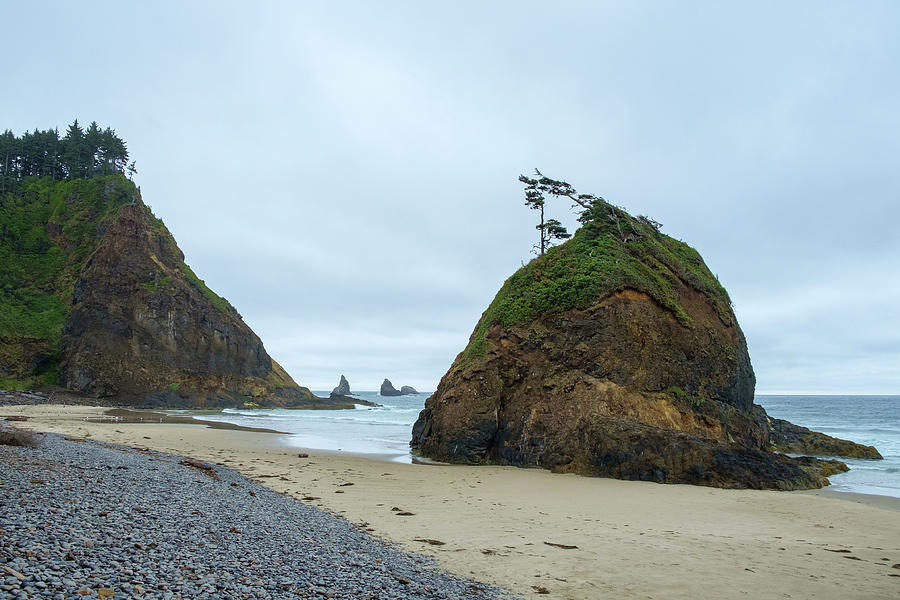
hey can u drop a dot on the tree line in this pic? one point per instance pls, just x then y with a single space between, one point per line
80 154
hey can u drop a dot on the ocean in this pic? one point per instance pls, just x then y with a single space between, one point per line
382 430
385 430
871 420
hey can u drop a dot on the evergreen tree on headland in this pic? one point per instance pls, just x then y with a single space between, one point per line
80 154
74 157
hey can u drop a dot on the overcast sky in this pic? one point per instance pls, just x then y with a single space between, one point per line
345 173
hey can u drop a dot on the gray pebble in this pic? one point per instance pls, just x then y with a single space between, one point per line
147 527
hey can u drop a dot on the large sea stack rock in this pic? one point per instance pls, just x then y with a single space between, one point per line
408 390
615 354
113 311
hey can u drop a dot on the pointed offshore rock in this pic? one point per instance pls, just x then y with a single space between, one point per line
615 354
342 389
341 396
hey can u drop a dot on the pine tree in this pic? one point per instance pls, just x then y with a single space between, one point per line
550 229
8 154
118 151
79 154
74 161
93 142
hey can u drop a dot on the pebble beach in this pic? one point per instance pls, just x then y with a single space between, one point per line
83 519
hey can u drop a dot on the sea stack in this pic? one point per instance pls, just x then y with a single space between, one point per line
614 354
342 389
387 389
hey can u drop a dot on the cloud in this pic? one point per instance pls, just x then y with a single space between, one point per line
346 175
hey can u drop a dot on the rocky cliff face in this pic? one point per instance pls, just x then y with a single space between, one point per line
142 325
139 325
616 354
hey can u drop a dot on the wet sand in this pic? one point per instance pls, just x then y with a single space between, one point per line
573 537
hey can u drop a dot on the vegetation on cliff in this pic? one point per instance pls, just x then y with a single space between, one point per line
80 154
611 252
47 230
57 196
95 294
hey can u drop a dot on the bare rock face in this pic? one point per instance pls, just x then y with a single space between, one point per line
388 389
616 354
142 327
342 389
787 437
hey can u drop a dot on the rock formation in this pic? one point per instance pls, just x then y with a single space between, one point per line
342 389
130 320
615 354
787 437
341 395
387 389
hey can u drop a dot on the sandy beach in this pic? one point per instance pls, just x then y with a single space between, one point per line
559 536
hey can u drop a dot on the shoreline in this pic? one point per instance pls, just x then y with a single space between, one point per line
130 415
514 527
877 500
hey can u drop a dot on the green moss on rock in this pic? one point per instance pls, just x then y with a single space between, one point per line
615 354
95 295
607 255
47 230
214 299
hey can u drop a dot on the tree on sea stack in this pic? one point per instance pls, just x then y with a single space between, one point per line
617 354
549 229
591 208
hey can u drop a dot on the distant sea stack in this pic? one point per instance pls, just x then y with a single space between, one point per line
342 389
99 300
387 389
340 397
615 354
